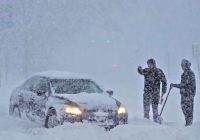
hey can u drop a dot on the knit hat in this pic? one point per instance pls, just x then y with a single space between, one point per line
151 61
186 63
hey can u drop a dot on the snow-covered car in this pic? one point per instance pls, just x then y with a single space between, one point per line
57 97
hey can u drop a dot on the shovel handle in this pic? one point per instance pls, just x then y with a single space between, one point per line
165 101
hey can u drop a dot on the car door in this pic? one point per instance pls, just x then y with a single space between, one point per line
24 95
39 98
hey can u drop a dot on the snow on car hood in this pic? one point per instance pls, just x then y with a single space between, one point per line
91 101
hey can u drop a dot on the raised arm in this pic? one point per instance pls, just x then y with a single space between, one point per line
142 71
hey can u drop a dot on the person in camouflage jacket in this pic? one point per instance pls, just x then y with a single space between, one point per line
153 78
187 90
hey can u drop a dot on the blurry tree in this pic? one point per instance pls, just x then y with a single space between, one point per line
196 55
6 24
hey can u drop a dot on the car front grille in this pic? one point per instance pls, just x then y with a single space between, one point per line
100 115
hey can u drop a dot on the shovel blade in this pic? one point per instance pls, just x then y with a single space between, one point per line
159 120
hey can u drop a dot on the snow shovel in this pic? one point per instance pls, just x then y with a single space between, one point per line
159 118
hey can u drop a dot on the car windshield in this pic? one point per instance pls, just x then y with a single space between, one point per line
74 86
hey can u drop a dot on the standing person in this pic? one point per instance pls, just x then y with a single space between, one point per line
187 90
153 77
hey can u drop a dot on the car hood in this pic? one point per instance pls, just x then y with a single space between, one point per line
92 101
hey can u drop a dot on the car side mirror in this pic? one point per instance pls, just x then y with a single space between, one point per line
110 92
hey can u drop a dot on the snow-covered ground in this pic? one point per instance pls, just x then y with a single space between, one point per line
138 128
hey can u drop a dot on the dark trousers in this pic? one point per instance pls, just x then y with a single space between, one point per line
187 108
151 99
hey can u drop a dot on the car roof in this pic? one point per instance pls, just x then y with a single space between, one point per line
61 75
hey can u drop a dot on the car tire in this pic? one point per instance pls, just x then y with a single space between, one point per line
51 119
15 111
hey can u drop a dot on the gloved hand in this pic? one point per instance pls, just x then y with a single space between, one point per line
171 85
139 67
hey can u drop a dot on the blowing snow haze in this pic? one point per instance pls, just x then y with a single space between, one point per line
104 38
107 40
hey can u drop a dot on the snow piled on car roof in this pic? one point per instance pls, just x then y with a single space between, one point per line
62 75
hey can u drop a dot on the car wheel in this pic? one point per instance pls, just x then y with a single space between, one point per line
51 119
16 112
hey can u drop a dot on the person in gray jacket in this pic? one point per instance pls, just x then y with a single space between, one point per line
187 90
153 78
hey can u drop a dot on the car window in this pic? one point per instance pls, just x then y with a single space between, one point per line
36 84
28 85
40 85
74 86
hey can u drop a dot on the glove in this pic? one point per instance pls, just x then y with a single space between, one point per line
139 67
171 85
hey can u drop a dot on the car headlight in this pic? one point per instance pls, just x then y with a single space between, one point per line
121 110
73 110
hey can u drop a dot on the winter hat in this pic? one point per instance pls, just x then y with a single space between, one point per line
151 61
186 63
